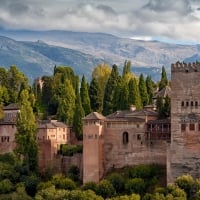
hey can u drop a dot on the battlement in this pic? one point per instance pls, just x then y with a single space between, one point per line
185 67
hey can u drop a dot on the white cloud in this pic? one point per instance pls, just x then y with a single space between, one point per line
178 19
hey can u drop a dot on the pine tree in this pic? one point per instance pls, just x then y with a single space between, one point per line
95 96
85 100
163 81
108 100
134 94
160 107
78 115
149 85
143 91
25 136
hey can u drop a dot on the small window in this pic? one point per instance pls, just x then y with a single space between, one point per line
196 103
187 103
138 137
199 127
138 126
191 103
182 103
125 138
192 127
183 127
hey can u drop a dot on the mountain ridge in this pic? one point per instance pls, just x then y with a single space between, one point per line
40 51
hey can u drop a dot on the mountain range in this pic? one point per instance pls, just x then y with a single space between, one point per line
37 52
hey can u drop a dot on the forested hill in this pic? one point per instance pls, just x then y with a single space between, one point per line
37 52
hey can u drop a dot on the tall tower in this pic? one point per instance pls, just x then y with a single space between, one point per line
184 150
93 147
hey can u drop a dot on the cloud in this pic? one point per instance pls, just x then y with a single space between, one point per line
178 19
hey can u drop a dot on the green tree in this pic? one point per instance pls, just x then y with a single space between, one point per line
105 189
143 91
108 101
66 103
134 94
163 81
95 96
135 185
25 136
16 81
101 73
149 86
78 115
85 100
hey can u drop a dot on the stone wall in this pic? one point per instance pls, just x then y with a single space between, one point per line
183 153
136 151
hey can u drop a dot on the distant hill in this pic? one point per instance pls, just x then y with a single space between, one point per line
37 52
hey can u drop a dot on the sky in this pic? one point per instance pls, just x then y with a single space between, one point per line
176 21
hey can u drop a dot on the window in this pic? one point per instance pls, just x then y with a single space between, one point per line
199 127
192 127
182 103
183 127
125 138
138 137
63 136
191 103
196 103
187 103
138 126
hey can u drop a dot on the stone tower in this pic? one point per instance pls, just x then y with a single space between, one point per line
93 147
184 150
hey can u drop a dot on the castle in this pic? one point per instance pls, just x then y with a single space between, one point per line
138 137
131 137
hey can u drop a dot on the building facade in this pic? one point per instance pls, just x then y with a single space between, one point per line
184 150
121 139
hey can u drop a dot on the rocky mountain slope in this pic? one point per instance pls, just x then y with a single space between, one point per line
36 53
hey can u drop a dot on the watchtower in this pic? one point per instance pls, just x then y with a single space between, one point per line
93 147
184 150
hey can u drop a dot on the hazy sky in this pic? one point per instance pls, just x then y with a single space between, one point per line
145 19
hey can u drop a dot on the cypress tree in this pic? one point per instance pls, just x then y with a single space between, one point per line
108 100
143 91
95 96
149 85
25 136
78 115
85 96
66 103
134 94
163 81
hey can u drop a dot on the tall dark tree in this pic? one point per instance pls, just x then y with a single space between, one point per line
143 91
160 107
78 116
16 82
85 96
134 94
149 85
126 68
167 106
121 96
163 81
95 96
25 136
66 103
110 90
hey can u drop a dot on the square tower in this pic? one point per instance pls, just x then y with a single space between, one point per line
184 150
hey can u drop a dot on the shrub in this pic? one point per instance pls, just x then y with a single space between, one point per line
135 185
74 173
70 150
6 186
105 189
90 186
117 181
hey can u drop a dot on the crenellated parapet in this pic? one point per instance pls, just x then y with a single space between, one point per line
185 67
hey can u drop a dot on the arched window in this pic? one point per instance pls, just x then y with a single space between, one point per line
125 138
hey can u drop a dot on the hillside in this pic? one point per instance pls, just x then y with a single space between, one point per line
37 52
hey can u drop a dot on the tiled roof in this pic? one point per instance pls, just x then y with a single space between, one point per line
12 106
51 124
131 114
94 116
166 91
